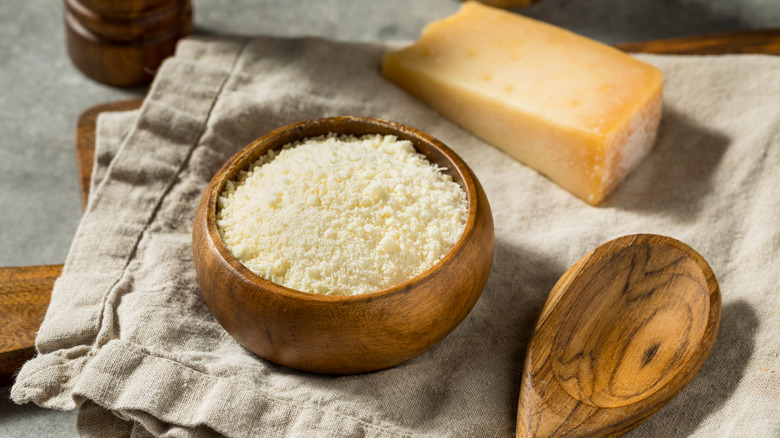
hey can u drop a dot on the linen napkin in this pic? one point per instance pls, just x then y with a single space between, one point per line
128 340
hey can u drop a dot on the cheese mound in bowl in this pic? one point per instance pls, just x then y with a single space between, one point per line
341 215
387 226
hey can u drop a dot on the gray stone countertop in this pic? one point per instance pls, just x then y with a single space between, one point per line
42 95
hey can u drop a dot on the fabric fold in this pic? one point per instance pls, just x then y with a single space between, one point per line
167 129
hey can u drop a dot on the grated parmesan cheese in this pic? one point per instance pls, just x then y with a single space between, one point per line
341 215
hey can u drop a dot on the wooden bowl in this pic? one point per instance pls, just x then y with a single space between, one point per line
344 334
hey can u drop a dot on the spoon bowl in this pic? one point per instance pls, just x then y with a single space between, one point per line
623 331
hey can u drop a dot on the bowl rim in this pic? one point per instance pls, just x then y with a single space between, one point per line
252 151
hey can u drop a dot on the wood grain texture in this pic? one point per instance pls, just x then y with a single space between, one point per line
24 298
759 41
85 140
344 334
123 42
766 41
622 332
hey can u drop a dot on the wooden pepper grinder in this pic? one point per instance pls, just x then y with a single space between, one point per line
123 42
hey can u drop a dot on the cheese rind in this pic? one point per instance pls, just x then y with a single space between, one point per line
580 112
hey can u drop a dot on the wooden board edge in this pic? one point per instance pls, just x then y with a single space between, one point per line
762 41
11 362
25 292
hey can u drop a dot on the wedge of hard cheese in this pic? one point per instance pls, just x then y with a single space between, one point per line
580 112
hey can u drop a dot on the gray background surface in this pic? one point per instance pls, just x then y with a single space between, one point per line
42 95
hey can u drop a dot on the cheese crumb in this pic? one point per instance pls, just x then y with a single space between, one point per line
341 215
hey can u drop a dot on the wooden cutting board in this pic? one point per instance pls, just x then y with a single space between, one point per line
25 291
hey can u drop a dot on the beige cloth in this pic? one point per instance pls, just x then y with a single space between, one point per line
129 340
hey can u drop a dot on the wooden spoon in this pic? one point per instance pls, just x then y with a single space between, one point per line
623 331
